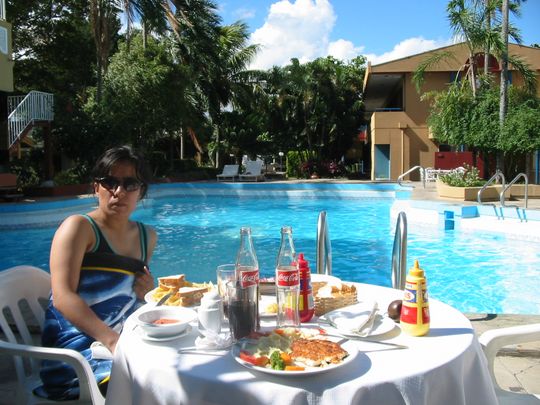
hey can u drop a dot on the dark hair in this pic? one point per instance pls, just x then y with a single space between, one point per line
123 154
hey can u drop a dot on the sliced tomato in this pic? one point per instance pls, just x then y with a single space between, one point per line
260 361
279 331
248 357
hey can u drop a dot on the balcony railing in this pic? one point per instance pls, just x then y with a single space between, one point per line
25 110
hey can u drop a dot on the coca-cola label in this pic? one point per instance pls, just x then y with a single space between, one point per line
287 278
248 278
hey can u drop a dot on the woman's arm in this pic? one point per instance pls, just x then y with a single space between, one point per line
72 239
145 282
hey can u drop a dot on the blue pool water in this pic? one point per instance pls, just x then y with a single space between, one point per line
196 233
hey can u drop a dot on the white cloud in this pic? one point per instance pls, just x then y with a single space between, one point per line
344 50
407 47
302 28
294 30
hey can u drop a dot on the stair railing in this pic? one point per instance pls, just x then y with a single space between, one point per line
510 185
412 169
399 253
24 110
498 175
324 246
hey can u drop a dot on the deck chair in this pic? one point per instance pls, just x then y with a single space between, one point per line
8 187
495 339
253 171
229 172
24 291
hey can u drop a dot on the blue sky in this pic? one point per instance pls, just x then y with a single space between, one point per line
381 30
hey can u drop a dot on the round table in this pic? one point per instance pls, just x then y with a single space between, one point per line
447 366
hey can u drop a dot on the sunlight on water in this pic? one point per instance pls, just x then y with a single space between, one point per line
472 272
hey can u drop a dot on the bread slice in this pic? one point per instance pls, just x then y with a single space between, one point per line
188 296
170 282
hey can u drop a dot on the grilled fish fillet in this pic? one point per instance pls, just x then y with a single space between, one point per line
317 352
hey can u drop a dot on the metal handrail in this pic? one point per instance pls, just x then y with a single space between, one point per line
324 246
35 106
498 175
501 199
399 253
412 169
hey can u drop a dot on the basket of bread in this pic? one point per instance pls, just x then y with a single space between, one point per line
185 293
328 296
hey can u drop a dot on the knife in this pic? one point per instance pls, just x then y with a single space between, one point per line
367 327
164 298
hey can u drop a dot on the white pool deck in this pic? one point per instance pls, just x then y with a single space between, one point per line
517 367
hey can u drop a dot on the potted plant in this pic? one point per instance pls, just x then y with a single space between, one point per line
465 184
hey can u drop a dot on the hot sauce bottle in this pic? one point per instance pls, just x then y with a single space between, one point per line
305 301
415 308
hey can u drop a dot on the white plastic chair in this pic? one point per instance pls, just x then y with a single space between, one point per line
253 171
229 172
32 286
495 339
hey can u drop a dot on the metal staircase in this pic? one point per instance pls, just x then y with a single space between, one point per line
27 112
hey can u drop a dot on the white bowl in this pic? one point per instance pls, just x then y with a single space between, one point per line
182 316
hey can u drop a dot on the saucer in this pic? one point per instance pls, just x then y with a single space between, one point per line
144 336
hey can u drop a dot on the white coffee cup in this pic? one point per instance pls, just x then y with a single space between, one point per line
210 313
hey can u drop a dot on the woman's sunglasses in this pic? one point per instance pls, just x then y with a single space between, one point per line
111 183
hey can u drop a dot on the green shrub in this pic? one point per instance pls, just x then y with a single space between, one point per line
74 175
470 177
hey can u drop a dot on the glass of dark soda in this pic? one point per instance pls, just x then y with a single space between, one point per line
242 309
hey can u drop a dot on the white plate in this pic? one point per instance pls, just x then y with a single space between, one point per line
144 336
263 303
149 298
349 346
382 324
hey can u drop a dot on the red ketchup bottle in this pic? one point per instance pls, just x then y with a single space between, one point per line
305 301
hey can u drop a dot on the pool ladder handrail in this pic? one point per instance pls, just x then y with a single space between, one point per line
399 253
501 199
412 169
324 246
498 175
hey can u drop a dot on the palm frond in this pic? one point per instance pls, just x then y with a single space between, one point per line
431 61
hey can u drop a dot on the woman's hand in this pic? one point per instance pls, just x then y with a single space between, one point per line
143 283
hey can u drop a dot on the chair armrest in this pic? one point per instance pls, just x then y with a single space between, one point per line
87 382
495 339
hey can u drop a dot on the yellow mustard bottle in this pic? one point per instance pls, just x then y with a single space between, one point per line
414 319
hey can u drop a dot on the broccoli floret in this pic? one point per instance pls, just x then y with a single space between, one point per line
276 362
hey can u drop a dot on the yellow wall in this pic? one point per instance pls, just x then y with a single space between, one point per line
406 131
6 62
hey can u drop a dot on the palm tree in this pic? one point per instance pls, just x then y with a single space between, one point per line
104 20
468 21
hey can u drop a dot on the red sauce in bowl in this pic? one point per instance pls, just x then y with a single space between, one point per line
165 321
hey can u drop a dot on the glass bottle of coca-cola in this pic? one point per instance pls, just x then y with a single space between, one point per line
247 268
287 281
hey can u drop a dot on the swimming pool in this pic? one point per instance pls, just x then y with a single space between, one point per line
198 228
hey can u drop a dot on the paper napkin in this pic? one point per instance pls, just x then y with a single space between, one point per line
100 351
354 318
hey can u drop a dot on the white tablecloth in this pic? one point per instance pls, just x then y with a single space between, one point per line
445 367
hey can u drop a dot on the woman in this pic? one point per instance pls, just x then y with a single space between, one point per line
99 271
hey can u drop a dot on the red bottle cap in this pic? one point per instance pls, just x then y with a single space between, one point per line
302 263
